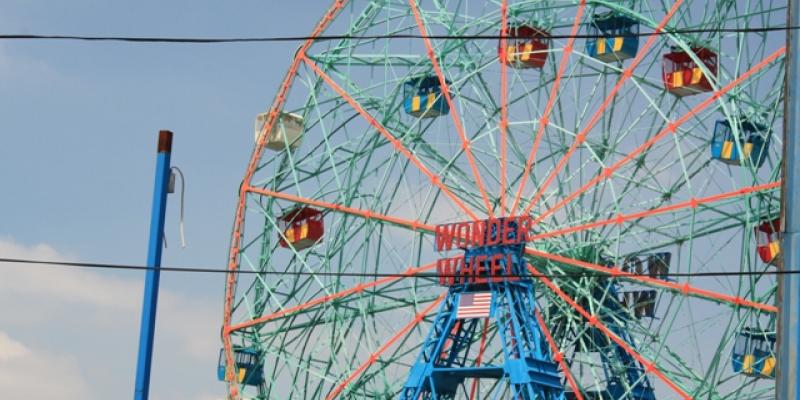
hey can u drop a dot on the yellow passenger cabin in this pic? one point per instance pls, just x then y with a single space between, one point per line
754 353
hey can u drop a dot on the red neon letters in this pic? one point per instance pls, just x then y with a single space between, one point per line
473 234
493 265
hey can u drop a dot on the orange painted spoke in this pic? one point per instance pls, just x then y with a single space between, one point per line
453 110
414 225
558 356
374 356
693 203
682 288
503 102
398 145
626 74
594 321
562 67
236 235
338 295
479 359
671 128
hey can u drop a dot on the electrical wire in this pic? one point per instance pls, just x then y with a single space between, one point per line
195 40
384 275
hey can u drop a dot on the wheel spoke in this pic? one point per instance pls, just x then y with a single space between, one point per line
671 128
551 101
693 203
398 145
391 341
595 322
412 224
453 110
685 289
581 137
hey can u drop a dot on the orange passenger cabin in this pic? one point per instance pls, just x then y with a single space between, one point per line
683 76
768 240
526 47
302 228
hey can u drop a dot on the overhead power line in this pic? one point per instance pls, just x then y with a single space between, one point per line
196 40
428 275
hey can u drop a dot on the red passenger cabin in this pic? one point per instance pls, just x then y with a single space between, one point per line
302 228
683 76
768 241
526 47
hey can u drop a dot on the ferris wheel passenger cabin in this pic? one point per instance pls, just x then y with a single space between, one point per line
526 47
642 303
423 97
302 228
287 130
657 264
725 147
683 76
614 37
754 353
768 241
247 369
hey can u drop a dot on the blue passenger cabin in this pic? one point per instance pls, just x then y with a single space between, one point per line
751 143
754 353
248 370
423 97
613 37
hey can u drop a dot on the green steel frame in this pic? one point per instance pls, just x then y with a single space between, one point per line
604 159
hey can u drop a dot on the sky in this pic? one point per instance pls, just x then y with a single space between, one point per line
79 123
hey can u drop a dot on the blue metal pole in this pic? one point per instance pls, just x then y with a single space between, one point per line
789 284
148 325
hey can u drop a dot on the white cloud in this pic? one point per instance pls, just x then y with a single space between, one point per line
18 68
32 375
9 349
78 322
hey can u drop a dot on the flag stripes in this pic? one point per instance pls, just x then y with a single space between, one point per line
474 305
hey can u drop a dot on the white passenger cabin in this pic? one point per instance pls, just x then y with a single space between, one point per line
287 129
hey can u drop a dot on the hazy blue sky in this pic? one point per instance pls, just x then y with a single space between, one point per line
78 123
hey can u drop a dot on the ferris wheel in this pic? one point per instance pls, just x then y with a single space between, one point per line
431 213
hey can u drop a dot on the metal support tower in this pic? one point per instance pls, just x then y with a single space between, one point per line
626 377
445 361
148 324
789 284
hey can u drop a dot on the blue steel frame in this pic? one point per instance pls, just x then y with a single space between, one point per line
158 212
627 366
443 364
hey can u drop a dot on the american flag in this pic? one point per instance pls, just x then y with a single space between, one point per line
474 305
